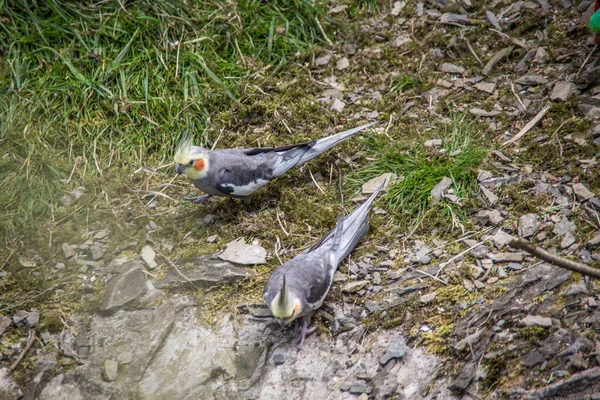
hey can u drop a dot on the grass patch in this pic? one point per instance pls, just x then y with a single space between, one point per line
88 85
420 169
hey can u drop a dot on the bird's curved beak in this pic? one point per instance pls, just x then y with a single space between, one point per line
282 322
180 170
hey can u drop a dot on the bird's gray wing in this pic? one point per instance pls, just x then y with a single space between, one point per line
282 159
240 182
240 172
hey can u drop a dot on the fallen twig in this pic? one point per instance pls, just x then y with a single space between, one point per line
462 253
281 224
315 181
586 61
513 40
172 264
337 164
32 337
529 125
512 88
429 275
522 244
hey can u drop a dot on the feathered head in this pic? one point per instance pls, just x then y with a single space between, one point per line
285 306
191 160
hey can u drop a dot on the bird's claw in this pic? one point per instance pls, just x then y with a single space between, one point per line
205 199
304 331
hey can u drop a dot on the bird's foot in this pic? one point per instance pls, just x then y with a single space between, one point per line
304 331
204 199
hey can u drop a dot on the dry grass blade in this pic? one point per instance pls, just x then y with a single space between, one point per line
529 125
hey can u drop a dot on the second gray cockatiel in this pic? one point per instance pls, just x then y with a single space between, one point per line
237 173
298 287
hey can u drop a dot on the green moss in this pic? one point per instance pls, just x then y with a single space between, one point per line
534 334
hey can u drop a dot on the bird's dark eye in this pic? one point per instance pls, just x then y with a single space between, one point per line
191 163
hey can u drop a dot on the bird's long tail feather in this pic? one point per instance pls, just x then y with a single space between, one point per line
322 145
354 226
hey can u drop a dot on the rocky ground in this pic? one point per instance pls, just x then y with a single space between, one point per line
168 299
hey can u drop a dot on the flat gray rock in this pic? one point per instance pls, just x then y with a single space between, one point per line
582 193
96 252
4 323
501 238
452 69
438 191
577 289
564 226
428 298
532 79
506 257
147 254
528 225
454 19
537 320
489 195
491 19
342 63
433 143
238 252
110 370
33 319
337 105
562 91
124 289
9 389
372 185
323 60
203 271
567 241
355 286
590 245
489 217
464 378
396 349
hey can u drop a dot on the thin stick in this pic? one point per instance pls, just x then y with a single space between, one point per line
522 244
200 39
529 125
513 40
429 275
32 337
177 269
389 125
281 224
276 248
177 59
315 182
473 51
218 137
154 194
512 88
586 60
555 135
337 164
443 265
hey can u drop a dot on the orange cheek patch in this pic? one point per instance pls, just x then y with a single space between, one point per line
297 309
199 165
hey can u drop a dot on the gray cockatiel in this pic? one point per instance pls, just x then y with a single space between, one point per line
298 287
238 173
